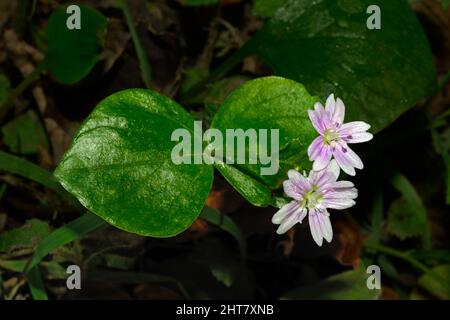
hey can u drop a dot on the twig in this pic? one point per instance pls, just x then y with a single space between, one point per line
17 91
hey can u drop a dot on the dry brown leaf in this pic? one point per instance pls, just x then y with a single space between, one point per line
348 242
115 43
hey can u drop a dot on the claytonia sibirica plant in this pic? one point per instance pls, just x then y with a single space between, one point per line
313 195
335 135
320 190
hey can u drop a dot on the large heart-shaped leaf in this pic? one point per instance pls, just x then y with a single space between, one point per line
119 165
72 53
326 45
267 103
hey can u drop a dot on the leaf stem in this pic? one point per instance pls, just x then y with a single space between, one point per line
146 71
17 91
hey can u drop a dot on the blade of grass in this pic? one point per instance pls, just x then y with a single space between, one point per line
146 71
402 184
72 231
13 265
29 170
225 223
36 285
135 278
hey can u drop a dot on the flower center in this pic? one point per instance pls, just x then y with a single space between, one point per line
312 198
330 135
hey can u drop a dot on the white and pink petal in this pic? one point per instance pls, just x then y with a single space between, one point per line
299 180
320 226
284 211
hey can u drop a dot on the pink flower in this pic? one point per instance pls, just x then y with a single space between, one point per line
313 195
335 135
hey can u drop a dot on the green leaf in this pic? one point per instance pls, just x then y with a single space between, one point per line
25 237
435 285
72 53
36 285
326 45
13 265
408 216
403 221
72 231
24 134
349 285
225 223
4 88
267 103
445 3
267 8
253 190
120 168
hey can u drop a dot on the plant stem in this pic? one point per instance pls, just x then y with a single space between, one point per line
17 91
146 71
407 258
398 254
